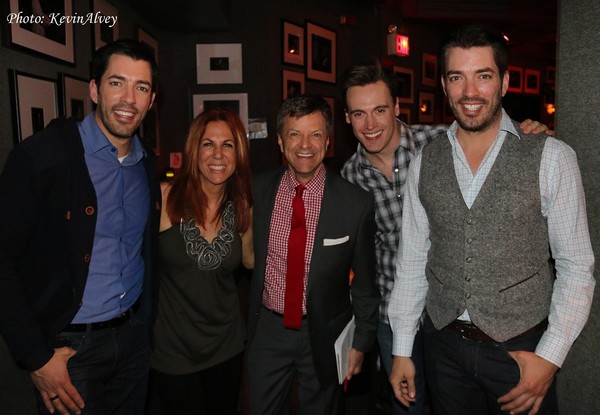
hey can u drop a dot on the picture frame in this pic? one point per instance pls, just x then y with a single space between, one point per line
52 40
515 80
404 115
551 74
426 107
105 32
34 102
405 88
532 81
74 96
146 38
237 103
331 149
321 53
292 40
219 63
429 74
293 83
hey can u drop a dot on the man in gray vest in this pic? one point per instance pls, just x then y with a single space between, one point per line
495 245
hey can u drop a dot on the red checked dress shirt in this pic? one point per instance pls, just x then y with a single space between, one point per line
276 266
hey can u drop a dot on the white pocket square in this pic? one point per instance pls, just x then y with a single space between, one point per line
336 241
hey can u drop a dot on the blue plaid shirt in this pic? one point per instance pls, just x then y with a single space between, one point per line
388 199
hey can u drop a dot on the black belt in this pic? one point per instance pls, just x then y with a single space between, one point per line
275 313
470 331
113 322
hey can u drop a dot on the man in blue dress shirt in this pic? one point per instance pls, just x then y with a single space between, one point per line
79 210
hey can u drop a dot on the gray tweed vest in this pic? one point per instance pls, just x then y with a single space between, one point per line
492 259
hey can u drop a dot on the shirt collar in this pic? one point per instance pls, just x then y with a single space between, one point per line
315 184
94 140
506 126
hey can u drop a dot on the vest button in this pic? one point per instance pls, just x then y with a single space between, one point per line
467 296
469 260
468 279
86 258
469 221
469 240
89 210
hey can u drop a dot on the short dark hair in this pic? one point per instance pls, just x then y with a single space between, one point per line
476 35
135 50
300 105
366 74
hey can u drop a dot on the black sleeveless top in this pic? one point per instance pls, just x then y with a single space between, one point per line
199 323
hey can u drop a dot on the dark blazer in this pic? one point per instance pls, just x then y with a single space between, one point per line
47 225
346 211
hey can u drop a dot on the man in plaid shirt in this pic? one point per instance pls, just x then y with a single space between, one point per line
380 165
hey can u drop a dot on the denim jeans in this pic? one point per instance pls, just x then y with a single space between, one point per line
384 339
110 369
467 377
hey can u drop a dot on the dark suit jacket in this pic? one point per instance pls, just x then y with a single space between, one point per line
346 211
47 225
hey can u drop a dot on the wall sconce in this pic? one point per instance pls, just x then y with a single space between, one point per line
397 44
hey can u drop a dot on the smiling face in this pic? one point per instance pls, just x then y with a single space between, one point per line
217 155
304 141
474 88
123 97
372 112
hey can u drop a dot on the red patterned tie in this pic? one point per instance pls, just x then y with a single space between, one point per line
294 282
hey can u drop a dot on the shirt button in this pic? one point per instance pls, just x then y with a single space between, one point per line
396 170
89 210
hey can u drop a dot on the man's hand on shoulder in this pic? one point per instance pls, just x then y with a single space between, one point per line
537 375
535 127
54 384
402 379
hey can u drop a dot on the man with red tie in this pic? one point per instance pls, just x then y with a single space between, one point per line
311 227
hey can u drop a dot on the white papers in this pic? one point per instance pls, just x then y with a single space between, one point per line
342 346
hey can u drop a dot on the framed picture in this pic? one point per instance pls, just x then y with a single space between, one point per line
237 103
108 30
429 70
293 43
35 102
331 149
405 84
75 97
148 39
426 107
40 34
515 80
551 74
404 115
321 56
219 63
293 83
532 81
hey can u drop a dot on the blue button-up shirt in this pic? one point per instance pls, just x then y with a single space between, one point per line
116 271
